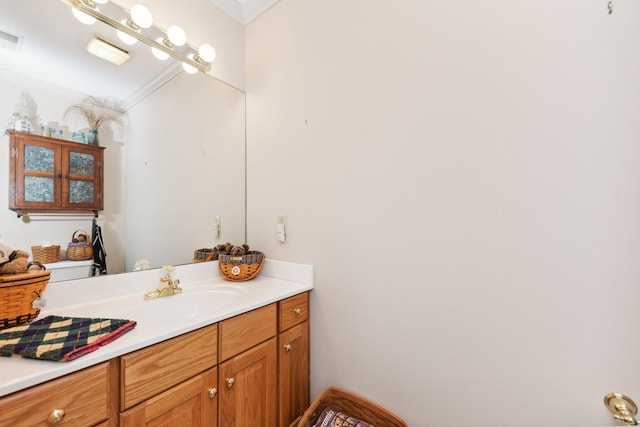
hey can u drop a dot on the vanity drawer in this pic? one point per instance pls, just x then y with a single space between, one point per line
246 330
152 370
294 310
83 396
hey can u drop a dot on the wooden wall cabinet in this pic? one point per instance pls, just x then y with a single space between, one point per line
53 174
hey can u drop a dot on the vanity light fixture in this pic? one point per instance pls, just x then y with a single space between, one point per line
105 50
133 28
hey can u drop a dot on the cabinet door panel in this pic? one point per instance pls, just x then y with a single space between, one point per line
39 189
38 159
187 404
248 388
293 362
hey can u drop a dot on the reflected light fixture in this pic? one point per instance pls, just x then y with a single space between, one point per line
139 18
105 50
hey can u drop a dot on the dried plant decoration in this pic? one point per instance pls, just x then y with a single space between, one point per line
98 112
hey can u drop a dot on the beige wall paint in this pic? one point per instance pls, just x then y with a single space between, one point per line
464 176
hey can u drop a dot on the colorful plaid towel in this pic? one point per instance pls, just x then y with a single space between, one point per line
61 338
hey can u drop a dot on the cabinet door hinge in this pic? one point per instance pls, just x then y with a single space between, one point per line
14 192
14 152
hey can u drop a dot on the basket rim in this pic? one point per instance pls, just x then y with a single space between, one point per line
314 408
10 279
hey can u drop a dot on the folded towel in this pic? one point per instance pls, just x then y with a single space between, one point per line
61 338
333 418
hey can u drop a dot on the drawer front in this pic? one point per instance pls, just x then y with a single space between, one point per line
294 310
152 370
247 330
81 399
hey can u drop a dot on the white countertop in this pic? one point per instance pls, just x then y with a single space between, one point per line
107 296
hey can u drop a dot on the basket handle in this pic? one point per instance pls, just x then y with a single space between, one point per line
39 264
82 232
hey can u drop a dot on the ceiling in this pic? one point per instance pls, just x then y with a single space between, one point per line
47 53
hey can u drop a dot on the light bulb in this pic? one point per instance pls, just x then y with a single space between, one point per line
176 35
83 17
189 68
126 38
158 53
141 16
207 53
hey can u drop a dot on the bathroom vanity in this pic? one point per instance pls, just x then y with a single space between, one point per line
243 363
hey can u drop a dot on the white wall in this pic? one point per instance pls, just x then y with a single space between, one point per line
464 176
184 165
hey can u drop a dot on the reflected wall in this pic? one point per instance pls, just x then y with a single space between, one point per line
184 164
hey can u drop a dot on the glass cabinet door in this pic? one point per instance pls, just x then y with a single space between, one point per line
81 177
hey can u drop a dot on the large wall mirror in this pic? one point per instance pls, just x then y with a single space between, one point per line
179 163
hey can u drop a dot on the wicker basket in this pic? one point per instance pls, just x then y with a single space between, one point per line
241 268
202 255
45 254
17 294
79 248
352 405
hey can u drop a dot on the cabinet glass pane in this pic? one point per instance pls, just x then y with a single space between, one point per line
80 191
38 189
38 158
80 164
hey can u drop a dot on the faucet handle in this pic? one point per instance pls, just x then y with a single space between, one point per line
168 271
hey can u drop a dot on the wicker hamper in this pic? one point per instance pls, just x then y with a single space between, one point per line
352 405
17 293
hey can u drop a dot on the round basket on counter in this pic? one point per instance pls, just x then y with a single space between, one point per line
17 294
240 268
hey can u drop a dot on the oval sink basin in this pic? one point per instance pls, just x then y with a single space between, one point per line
192 302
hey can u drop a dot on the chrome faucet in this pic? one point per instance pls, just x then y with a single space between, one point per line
168 285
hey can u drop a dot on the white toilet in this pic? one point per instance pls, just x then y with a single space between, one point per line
69 270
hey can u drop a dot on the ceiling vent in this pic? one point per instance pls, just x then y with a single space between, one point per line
10 41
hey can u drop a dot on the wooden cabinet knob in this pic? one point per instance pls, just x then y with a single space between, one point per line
287 347
55 416
213 392
230 382
297 311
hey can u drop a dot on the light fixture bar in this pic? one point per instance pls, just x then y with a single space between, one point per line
81 6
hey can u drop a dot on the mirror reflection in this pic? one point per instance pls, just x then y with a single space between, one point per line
177 166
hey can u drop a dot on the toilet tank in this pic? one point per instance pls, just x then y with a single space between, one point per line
69 270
